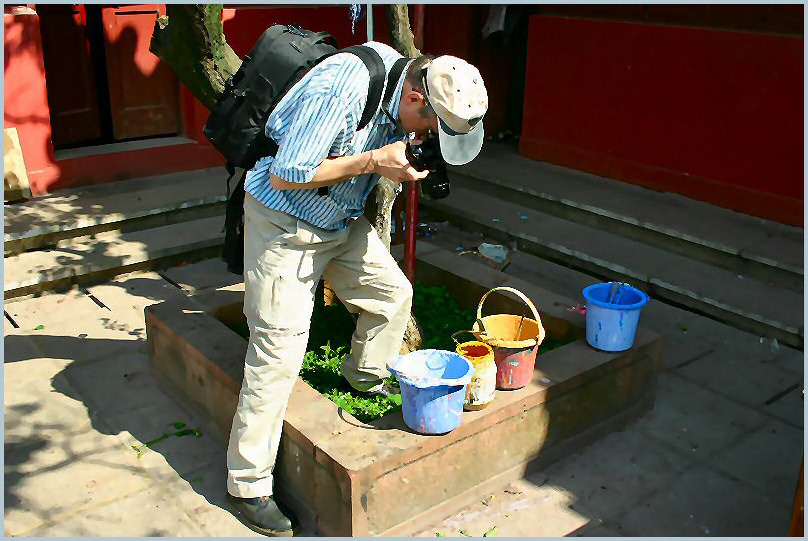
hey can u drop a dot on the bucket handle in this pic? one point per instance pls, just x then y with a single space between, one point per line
515 292
461 332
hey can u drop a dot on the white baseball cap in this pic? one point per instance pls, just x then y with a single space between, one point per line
455 91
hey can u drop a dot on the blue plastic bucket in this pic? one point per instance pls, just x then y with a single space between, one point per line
612 327
433 389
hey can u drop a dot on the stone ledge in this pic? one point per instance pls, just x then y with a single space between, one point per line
349 478
86 259
79 211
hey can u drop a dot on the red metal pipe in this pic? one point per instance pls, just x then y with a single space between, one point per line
411 228
418 32
411 220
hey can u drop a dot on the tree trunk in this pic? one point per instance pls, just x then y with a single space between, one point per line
190 40
398 21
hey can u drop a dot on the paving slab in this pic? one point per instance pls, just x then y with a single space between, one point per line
597 530
52 309
615 473
680 346
64 474
201 495
762 348
75 327
753 461
88 340
127 295
700 503
747 379
118 385
521 509
694 421
19 347
789 408
201 276
151 512
80 312
38 402
172 457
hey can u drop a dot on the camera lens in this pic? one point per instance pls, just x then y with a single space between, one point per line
434 188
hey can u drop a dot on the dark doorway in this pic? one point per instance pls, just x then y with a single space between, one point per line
104 86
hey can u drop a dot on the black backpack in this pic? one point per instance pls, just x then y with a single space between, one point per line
279 59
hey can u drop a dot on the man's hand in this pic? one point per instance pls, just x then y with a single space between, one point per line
391 162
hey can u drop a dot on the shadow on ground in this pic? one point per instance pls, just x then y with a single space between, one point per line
110 392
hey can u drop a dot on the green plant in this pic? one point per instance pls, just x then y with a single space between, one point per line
439 315
436 310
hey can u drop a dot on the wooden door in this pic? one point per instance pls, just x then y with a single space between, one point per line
143 92
70 75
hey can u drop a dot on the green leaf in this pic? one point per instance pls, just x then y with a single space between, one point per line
440 534
463 532
39 327
178 425
491 532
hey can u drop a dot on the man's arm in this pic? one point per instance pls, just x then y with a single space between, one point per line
331 171
389 161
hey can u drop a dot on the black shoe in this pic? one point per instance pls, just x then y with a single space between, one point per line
263 515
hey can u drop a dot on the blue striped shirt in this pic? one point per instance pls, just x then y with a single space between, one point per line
315 120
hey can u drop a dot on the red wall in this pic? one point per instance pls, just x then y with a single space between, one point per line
244 25
25 97
26 104
26 107
492 57
714 115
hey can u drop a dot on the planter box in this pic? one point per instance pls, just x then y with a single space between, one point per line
348 478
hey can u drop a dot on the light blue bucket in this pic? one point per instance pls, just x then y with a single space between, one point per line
612 326
433 388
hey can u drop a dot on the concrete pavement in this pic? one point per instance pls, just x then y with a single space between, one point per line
718 455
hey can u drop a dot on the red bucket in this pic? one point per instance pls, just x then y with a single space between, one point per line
514 339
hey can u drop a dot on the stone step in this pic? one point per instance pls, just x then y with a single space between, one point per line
737 242
765 308
93 258
118 206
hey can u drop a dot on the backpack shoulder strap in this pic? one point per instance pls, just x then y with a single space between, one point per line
375 66
393 78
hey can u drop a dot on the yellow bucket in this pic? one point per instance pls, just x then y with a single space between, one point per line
481 390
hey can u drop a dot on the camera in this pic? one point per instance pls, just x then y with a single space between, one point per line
427 157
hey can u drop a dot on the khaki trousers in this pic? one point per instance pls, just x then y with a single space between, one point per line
284 258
